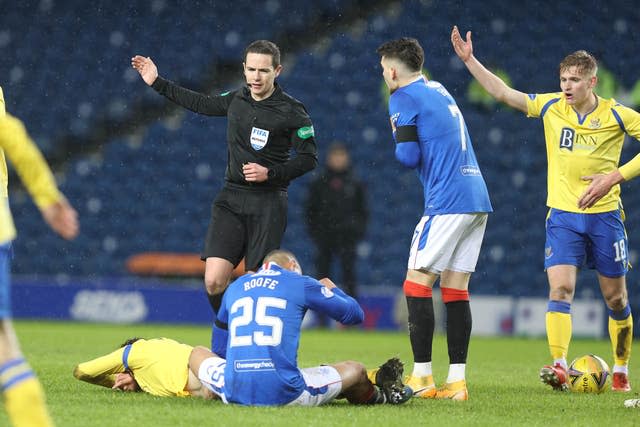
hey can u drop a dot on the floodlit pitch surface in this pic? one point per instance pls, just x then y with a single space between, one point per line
502 375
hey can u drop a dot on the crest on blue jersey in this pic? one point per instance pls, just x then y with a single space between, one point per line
394 121
326 292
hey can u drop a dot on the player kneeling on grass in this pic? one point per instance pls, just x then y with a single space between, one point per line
158 366
258 330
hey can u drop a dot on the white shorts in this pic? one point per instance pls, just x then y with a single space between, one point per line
447 242
211 375
323 385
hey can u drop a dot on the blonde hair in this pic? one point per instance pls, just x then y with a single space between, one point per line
584 62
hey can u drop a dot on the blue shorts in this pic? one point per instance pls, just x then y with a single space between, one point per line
597 241
5 282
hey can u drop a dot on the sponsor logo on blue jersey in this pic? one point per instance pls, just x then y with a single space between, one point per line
470 170
253 365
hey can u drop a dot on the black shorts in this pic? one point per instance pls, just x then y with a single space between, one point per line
246 224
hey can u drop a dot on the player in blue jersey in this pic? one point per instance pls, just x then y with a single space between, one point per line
263 314
432 138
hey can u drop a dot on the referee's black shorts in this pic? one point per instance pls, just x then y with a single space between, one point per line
246 223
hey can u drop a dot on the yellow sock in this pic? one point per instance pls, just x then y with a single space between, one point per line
371 374
23 395
558 333
621 334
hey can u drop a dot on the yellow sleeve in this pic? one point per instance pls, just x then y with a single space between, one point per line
101 371
631 123
3 110
28 162
536 102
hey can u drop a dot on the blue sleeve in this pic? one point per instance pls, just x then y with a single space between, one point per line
219 339
408 153
333 303
403 115
219 333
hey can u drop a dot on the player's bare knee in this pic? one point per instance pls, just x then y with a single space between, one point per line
197 356
358 369
215 285
616 302
561 293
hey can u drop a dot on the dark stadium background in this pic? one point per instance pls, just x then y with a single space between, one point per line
142 173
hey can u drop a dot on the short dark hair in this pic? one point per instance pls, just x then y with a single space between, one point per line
406 50
280 257
264 47
130 341
584 62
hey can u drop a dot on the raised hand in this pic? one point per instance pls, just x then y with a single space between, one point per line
464 49
147 69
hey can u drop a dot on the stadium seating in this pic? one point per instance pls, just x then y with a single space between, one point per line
151 190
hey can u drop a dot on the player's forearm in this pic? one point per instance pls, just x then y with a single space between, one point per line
28 162
408 153
631 169
493 84
194 101
299 165
347 310
102 370
104 380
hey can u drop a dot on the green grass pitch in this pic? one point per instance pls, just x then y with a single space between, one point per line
502 375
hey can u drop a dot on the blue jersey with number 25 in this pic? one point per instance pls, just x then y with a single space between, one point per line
263 312
439 147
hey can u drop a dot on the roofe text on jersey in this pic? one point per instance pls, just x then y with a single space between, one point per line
260 282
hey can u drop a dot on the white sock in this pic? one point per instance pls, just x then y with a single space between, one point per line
622 369
456 372
562 362
211 374
422 369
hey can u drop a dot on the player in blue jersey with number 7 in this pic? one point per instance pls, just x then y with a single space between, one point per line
431 137
584 134
263 313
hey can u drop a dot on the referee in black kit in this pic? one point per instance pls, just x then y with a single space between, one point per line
249 215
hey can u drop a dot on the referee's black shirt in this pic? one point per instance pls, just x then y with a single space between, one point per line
260 132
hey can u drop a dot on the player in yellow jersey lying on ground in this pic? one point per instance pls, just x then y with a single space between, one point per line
161 367
158 366
584 134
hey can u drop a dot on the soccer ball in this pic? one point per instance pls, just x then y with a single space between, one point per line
589 374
